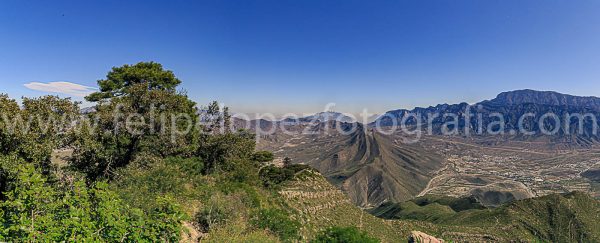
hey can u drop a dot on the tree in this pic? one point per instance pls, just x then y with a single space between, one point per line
287 161
120 79
137 127
220 148
141 117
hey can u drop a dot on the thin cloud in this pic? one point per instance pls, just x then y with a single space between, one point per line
67 88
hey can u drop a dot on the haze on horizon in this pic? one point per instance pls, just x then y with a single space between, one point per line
297 56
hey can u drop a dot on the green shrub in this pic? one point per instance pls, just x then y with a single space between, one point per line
263 156
276 221
344 235
244 171
35 210
272 176
218 210
192 166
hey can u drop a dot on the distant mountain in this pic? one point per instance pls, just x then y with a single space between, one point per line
329 116
511 106
551 98
315 118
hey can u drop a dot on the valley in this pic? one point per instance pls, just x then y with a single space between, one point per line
506 172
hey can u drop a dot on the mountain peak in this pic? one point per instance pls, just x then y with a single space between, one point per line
331 116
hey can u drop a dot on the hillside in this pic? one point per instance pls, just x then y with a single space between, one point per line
320 205
572 217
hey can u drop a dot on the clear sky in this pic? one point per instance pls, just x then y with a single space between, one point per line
298 55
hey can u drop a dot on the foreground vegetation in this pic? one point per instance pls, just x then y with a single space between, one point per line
125 179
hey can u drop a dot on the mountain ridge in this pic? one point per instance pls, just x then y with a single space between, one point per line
523 96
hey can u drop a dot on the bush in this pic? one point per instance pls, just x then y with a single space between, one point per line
217 211
263 156
176 177
35 210
272 176
278 222
244 171
192 166
344 235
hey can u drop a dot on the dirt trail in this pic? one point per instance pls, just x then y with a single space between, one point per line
509 149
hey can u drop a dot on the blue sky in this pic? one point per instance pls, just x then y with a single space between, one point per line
296 56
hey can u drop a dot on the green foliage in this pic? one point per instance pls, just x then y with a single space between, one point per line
430 208
120 79
272 176
221 151
570 217
278 222
457 204
243 171
144 123
176 177
36 210
240 232
35 130
217 212
344 235
263 156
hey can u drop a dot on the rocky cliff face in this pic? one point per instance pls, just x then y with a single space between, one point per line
545 98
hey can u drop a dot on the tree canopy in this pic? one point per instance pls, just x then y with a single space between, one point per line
120 79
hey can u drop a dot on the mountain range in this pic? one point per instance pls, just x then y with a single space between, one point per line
535 110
